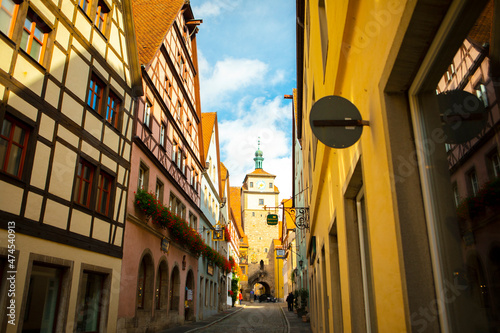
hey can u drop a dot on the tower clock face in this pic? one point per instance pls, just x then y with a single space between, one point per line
261 185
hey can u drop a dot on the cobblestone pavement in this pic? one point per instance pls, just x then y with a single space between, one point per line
254 318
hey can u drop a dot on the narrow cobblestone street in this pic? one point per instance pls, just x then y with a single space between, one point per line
249 317
255 317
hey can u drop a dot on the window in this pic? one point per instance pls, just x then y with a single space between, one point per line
177 207
112 109
193 177
482 94
162 134
90 302
147 114
101 15
44 297
182 68
253 213
192 221
13 143
34 36
159 190
8 11
205 196
104 193
142 183
179 111
174 153
270 185
85 5
261 202
495 164
96 88
265 249
456 194
83 183
251 184
473 184
168 87
179 159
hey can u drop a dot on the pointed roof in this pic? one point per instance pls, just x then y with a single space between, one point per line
224 179
208 120
235 205
481 31
152 21
260 172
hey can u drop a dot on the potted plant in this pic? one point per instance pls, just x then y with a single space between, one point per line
304 294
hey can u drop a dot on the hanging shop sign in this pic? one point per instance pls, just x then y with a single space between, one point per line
165 244
210 269
272 219
336 122
280 254
218 232
463 115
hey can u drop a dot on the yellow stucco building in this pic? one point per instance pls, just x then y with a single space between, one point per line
385 248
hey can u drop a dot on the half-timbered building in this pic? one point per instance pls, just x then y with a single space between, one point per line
158 288
69 79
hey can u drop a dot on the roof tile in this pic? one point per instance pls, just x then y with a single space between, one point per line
152 21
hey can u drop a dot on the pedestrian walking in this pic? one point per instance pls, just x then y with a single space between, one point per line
289 300
240 297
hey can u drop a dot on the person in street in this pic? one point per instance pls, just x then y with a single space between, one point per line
240 297
289 300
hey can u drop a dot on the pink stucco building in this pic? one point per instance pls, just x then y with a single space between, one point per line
159 276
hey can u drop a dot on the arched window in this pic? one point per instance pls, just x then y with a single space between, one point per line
161 290
189 296
175 285
145 283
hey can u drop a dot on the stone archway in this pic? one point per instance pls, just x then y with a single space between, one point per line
189 311
261 287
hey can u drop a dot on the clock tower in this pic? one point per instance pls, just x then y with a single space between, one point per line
259 191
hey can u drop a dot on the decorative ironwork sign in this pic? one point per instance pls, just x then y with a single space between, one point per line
218 232
301 216
272 219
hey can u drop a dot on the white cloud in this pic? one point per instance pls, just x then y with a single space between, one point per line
229 76
279 77
268 120
214 7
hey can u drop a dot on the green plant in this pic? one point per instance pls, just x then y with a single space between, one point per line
304 295
179 229
234 289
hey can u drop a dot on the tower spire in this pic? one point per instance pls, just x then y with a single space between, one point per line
258 156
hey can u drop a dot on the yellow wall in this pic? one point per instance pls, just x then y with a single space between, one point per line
278 271
359 37
27 245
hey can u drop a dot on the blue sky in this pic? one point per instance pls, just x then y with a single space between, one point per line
246 54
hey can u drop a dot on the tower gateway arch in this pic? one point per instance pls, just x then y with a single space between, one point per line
259 191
